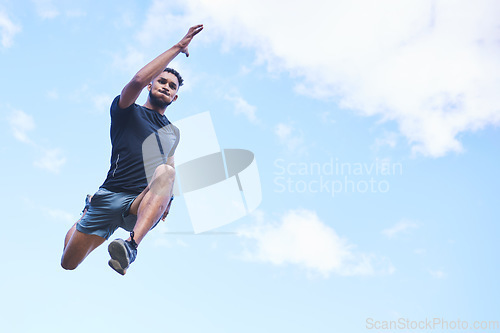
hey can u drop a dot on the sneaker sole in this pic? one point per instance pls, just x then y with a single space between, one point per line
116 266
119 256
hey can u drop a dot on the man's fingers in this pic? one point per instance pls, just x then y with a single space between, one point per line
193 31
197 27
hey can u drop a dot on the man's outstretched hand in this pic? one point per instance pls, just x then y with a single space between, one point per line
193 31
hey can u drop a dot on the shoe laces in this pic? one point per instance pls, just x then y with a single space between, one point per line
132 241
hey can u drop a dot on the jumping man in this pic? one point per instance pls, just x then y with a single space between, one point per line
137 192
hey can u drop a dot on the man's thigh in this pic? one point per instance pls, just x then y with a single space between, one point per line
134 207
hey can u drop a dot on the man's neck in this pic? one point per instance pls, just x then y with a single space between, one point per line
154 108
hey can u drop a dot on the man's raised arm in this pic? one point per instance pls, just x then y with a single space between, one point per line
145 75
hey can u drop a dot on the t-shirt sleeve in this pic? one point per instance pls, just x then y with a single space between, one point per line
115 109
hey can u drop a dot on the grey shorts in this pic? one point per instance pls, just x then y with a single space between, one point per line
107 212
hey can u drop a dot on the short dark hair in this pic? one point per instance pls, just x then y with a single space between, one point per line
176 73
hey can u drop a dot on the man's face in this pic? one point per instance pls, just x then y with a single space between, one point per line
163 90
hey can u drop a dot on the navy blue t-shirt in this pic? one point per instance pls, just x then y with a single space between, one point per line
141 140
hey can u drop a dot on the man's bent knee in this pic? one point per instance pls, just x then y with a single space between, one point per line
165 171
77 249
163 178
67 264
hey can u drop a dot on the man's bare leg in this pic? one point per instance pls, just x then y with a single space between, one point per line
77 247
73 228
149 207
80 247
70 233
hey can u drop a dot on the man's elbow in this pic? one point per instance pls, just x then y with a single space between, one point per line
138 81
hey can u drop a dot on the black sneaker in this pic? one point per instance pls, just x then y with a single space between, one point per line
122 254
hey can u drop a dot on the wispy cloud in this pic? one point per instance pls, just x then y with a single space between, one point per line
158 14
438 273
59 215
46 9
388 139
283 131
21 124
290 137
8 29
53 94
241 106
102 101
131 62
420 251
50 9
301 238
75 13
399 228
52 160
164 240
54 214
430 66
125 20
326 117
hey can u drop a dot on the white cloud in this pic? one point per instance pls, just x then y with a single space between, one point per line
326 117
399 228
302 239
283 131
163 242
20 124
102 102
46 9
131 62
163 239
59 215
7 30
53 94
290 137
241 106
50 9
125 20
420 251
438 274
75 13
54 214
160 15
52 160
389 139
430 66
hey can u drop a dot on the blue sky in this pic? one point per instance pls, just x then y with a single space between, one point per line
410 87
